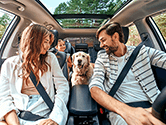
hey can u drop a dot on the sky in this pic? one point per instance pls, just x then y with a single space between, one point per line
52 4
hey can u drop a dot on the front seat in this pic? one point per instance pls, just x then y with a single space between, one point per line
61 56
126 33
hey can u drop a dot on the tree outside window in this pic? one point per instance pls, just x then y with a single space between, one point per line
5 19
160 20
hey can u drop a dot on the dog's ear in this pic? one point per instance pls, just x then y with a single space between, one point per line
73 57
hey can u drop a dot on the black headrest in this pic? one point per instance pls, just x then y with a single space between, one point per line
97 47
68 46
126 33
72 50
55 32
81 47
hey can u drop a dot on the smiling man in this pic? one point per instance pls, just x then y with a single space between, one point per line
138 89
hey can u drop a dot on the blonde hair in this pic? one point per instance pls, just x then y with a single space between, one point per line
30 44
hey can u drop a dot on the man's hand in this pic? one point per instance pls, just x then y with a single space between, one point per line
140 116
133 116
149 110
47 122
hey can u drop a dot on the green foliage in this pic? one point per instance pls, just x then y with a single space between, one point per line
87 7
134 38
61 9
161 23
4 22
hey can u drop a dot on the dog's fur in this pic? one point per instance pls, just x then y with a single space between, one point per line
82 69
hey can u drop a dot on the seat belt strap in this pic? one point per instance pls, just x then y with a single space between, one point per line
42 91
126 68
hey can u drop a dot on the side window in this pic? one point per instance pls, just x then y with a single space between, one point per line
134 37
5 19
160 20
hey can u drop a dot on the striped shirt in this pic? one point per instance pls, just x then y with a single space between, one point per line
106 70
130 89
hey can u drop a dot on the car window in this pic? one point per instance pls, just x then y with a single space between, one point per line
105 8
134 37
5 19
160 20
89 40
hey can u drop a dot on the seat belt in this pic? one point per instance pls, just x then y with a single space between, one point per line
42 91
126 68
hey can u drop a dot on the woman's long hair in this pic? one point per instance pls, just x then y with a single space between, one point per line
30 45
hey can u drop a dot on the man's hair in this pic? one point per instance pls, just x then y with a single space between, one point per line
111 28
30 44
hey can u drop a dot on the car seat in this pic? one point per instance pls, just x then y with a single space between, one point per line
93 52
55 32
126 34
81 47
69 48
61 56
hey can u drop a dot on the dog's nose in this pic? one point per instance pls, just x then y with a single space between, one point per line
79 61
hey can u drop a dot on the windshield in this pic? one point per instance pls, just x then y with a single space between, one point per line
106 7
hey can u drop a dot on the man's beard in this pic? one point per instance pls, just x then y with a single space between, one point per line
110 49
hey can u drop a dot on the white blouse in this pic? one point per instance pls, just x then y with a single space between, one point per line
11 97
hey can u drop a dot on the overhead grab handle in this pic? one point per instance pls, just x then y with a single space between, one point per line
21 7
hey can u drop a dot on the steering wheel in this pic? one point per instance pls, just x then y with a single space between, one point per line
159 106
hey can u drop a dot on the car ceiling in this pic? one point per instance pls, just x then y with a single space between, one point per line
139 9
135 10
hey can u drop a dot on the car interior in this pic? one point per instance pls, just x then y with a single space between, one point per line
80 37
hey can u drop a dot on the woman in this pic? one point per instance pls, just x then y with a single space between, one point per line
17 90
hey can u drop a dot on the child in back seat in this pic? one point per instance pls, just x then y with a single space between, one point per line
61 46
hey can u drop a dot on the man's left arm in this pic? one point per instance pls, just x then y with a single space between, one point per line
157 57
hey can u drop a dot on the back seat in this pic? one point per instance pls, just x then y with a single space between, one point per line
69 48
61 56
93 52
81 47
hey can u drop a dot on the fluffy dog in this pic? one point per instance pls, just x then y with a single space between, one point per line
82 70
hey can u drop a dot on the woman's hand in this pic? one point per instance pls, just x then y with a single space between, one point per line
11 118
47 122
